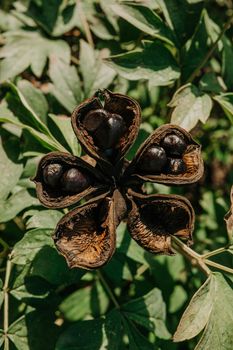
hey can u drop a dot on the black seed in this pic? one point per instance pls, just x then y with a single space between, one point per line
110 131
75 181
94 119
175 166
174 145
52 174
153 160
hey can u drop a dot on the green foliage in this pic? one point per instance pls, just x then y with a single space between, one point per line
175 58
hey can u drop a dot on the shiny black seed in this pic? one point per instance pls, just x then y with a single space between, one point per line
175 166
110 131
174 145
52 174
75 181
93 119
153 160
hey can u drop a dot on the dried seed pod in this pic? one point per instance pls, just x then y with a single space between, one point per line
154 219
191 158
123 126
75 181
174 144
175 166
86 236
153 160
49 190
52 174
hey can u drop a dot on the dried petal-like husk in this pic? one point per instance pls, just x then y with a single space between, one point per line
153 219
191 157
86 236
55 197
120 104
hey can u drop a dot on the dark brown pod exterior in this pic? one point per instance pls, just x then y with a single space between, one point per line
115 104
55 196
86 236
193 163
154 219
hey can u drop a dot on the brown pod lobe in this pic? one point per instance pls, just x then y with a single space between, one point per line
192 169
86 236
52 189
154 219
117 127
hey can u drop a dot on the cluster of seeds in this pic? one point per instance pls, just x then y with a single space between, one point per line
105 128
70 181
165 158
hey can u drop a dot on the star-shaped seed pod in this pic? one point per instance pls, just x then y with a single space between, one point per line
106 126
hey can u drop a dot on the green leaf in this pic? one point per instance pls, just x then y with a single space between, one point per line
36 330
42 219
10 168
190 106
1 337
211 304
227 59
136 340
145 19
23 287
34 98
66 84
18 112
226 102
52 267
102 333
33 241
45 13
128 246
63 123
205 35
182 16
154 63
210 83
17 202
177 299
149 311
37 249
25 49
96 74
218 332
94 302
197 313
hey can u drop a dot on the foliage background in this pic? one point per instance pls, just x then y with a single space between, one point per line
175 57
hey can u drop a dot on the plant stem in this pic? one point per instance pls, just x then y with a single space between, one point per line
210 52
214 252
6 302
108 289
191 255
200 260
5 248
218 266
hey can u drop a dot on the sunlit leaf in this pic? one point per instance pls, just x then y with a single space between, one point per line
190 105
